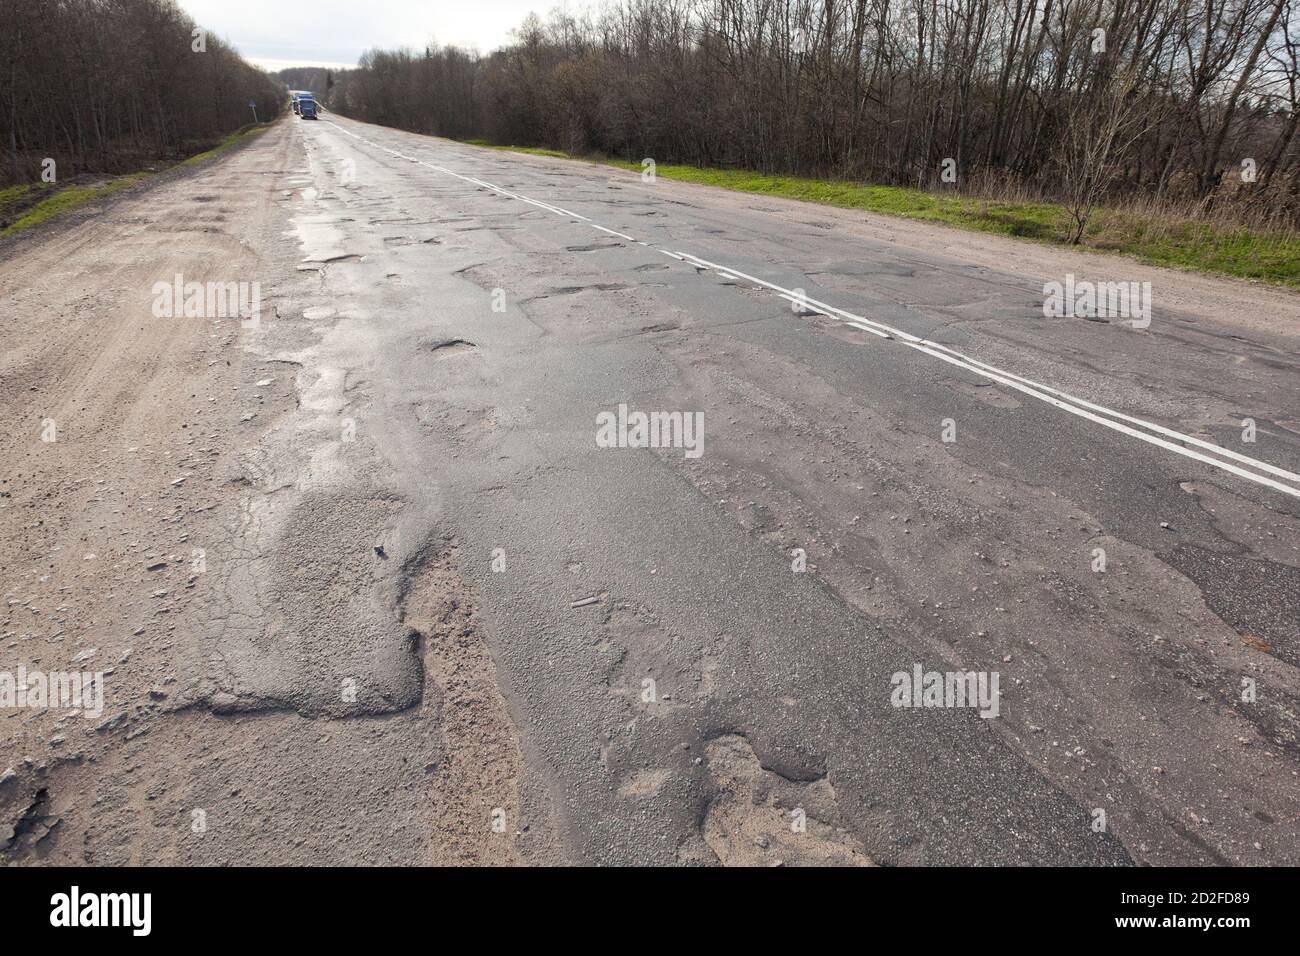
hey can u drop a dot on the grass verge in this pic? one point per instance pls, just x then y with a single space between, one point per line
1165 239
31 204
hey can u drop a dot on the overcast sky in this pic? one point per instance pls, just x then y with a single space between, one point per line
280 33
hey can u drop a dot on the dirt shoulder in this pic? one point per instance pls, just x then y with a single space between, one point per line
38 210
130 503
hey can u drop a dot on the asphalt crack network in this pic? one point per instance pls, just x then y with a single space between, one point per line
1260 472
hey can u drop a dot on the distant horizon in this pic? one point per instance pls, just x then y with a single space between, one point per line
272 65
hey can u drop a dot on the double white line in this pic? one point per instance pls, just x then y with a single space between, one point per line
1154 434
469 179
1235 463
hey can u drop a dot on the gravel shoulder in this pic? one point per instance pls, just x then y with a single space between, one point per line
134 546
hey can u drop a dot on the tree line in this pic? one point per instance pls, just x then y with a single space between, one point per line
1075 100
103 86
317 79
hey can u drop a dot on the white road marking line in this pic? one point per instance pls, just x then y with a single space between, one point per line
1160 429
1030 387
826 309
1046 393
613 233
557 210
1124 429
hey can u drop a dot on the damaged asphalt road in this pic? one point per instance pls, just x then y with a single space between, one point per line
438 622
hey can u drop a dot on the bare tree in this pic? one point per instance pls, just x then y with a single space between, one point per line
111 85
1072 99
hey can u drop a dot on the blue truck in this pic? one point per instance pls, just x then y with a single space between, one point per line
307 108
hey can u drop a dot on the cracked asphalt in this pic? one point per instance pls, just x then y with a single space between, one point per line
484 638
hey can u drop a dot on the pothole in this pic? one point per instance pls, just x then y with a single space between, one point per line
593 247
451 347
759 817
591 287
330 260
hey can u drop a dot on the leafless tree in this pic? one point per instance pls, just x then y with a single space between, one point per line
112 85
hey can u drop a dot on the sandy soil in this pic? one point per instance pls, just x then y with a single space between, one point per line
130 540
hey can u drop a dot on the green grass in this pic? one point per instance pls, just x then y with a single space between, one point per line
1202 246
13 199
61 200
530 150
1171 241
221 147
10 194
19 199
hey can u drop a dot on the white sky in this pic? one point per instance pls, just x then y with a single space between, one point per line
276 34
